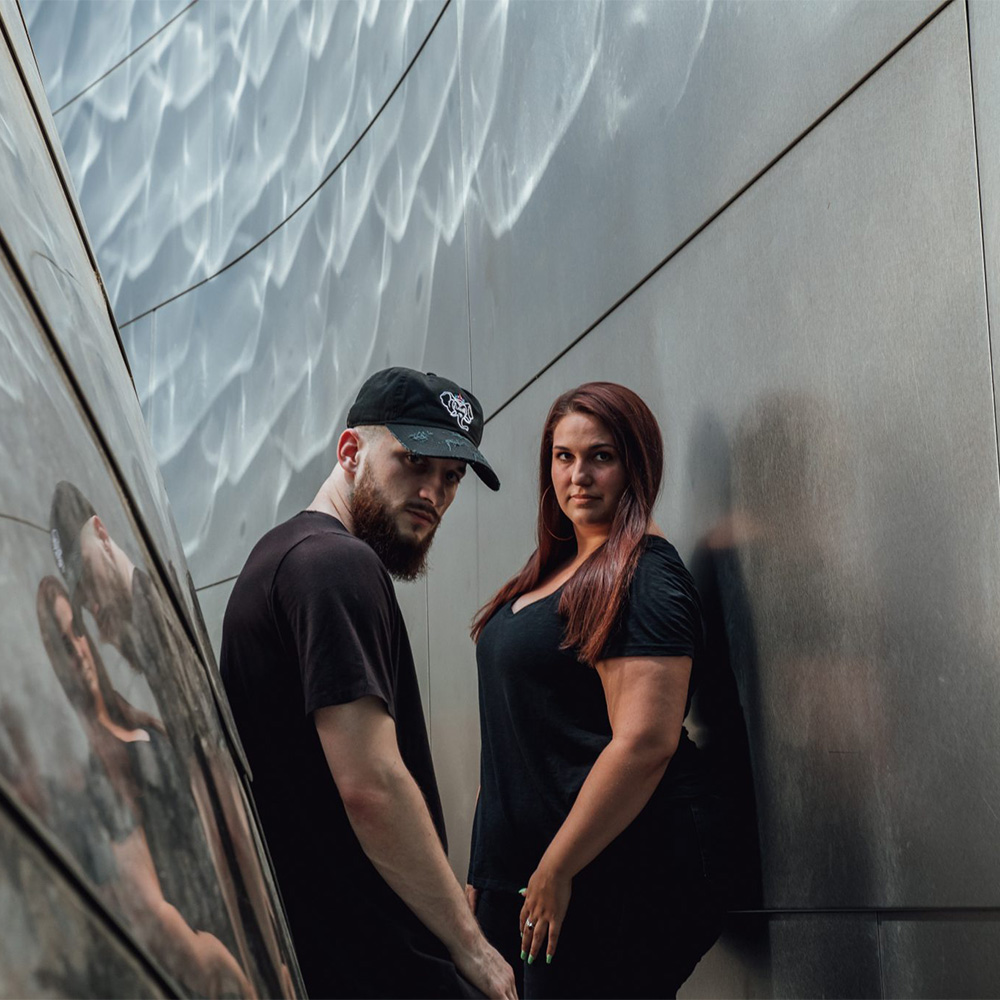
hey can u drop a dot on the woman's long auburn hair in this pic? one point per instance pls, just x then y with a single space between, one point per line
592 599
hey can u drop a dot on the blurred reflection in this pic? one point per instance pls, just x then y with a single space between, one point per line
201 808
51 946
791 561
129 745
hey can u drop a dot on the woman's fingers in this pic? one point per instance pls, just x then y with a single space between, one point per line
554 928
533 939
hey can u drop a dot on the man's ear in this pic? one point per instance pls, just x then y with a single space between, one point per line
101 532
348 451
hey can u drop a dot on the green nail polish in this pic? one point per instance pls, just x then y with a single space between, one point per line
524 955
521 892
548 959
531 959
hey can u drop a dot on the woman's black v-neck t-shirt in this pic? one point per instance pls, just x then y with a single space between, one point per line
544 718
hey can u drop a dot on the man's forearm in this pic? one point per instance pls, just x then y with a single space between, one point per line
392 823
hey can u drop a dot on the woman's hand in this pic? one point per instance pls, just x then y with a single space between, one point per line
546 900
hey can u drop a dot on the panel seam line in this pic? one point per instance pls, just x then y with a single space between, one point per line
315 191
121 62
742 190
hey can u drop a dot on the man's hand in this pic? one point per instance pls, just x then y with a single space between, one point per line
485 968
388 814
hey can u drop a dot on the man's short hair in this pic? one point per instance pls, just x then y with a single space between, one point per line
70 511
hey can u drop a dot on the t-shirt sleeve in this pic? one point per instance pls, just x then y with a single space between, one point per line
662 614
336 602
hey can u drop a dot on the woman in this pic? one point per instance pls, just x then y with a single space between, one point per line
585 661
131 756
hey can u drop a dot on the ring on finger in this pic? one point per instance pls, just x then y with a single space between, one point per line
529 924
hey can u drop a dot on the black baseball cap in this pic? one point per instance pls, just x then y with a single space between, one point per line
71 510
430 415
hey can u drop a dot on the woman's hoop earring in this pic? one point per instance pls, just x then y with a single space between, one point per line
551 533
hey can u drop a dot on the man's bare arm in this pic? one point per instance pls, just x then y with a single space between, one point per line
389 816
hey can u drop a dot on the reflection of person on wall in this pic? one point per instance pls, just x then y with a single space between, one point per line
816 713
133 617
120 739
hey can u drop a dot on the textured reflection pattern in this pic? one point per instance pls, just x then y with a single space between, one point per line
766 218
113 753
52 945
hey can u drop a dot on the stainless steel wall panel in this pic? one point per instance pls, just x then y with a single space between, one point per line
107 30
791 955
830 326
256 369
984 39
49 249
213 600
588 166
452 600
941 955
25 56
163 824
210 136
53 943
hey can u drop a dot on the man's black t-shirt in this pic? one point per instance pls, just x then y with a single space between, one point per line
313 621
544 721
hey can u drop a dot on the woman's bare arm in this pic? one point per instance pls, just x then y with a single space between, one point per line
646 699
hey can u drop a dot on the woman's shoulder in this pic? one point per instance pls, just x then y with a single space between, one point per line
660 562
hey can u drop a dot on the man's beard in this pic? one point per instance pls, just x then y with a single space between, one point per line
375 525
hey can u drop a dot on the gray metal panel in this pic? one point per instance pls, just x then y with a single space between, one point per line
454 690
80 790
819 359
214 133
50 251
53 943
412 599
941 955
791 955
256 369
213 600
591 163
984 40
105 31
25 56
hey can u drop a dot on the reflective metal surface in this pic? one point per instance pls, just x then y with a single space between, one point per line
214 132
645 119
816 393
946 956
112 751
793 955
255 370
110 733
50 252
984 37
53 944
108 30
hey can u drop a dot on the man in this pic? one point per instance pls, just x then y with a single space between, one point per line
319 672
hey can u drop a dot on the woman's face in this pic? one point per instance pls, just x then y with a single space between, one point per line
588 474
76 646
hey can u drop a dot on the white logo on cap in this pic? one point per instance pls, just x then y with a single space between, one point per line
459 407
57 552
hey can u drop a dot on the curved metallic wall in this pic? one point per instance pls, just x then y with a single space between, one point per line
131 860
777 222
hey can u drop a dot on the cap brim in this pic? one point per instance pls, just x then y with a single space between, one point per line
435 442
